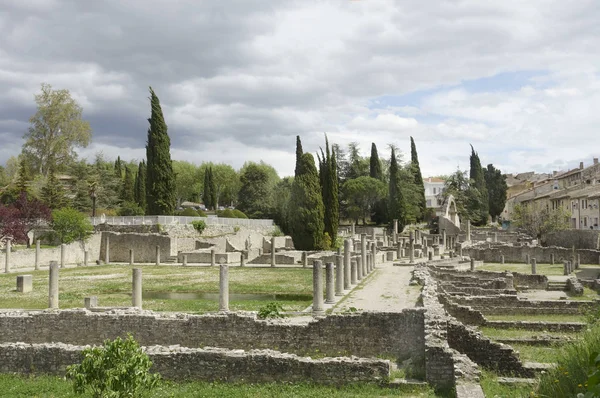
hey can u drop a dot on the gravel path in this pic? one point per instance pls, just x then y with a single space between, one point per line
386 290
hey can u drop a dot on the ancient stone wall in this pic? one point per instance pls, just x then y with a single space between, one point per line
143 245
517 254
580 239
210 364
365 334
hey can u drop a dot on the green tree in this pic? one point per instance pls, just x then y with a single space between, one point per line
396 204
282 211
57 128
119 167
53 193
70 225
128 189
379 212
256 194
213 189
23 176
140 186
362 194
119 368
307 210
538 220
187 186
298 153
160 179
226 183
495 184
478 204
358 166
207 195
328 177
418 178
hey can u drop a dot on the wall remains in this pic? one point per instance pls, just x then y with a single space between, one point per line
517 254
143 245
578 238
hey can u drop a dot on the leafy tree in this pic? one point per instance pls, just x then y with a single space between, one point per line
130 209
256 194
397 205
537 220
11 224
207 196
119 368
357 165
57 128
140 186
329 190
213 189
362 194
105 184
32 213
4 180
53 193
307 210
160 179
119 167
128 190
187 187
496 186
282 208
418 178
226 183
379 213
23 176
478 204
460 187
70 225
298 153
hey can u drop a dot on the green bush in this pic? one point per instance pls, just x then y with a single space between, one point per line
118 369
189 212
130 209
276 231
199 225
201 213
239 214
227 213
70 225
271 310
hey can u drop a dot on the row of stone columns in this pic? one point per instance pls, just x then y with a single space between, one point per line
63 248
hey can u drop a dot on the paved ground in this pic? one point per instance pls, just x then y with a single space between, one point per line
387 289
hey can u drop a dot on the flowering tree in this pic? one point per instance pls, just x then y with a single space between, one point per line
21 217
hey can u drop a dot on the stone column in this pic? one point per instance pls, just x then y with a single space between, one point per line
399 250
329 284
565 268
353 269
37 254
136 291
359 268
363 254
396 226
131 257
510 280
213 258
533 266
367 267
273 261
468 230
63 248
353 230
86 255
578 263
374 235
551 258
304 260
460 251
242 258
472 264
8 248
318 288
411 250
429 255
502 259
339 275
157 255
527 261
444 239
374 254
223 287
347 259
495 236
53 285
184 260
107 250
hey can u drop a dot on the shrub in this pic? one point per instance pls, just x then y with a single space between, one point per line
271 310
189 212
276 231
199 225
227 213
118 368
326 241
70 225
201 213
239 214
130 209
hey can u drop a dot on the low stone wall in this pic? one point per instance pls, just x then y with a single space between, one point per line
579 238
365 334
548 326
143 245
204 257
517 254
488 304
463 313
209 364
25 258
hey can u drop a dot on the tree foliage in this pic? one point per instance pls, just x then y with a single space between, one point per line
380 209
70 225
307 210
418 179
396 202
33 213
459 186
362 193
256 194
53 193
57 128
496 186
328 176
478 201
119 369
160 178
140 186
538 220
128 188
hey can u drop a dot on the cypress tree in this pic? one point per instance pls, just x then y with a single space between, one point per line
396 203
416 171
213 189
140 185
379 214
298 153
119 167
23 176
375 164
206 196
128 190
160 178
479 204
53 193
329 191
307 218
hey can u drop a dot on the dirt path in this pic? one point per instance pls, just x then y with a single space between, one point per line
386 290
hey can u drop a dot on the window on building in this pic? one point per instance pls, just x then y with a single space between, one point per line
585 221
428 202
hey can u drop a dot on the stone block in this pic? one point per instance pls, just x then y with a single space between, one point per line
24 283
90 302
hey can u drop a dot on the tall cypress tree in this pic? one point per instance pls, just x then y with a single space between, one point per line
416 172
160 178
213 189
479 204
307 218
119 167
379 214
140 185
396 203
329 191
23 177
128 190
298 152
206 196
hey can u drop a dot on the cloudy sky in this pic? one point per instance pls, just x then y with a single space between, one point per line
239 79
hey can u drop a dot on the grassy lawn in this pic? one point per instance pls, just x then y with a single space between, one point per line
588 294
541 268
46 387
491 387
536 354
494 334
538 318
112 285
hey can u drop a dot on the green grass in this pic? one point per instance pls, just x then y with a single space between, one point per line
543 269
491 387
536 354
47 387
588 294
538 318
112 285
496 334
